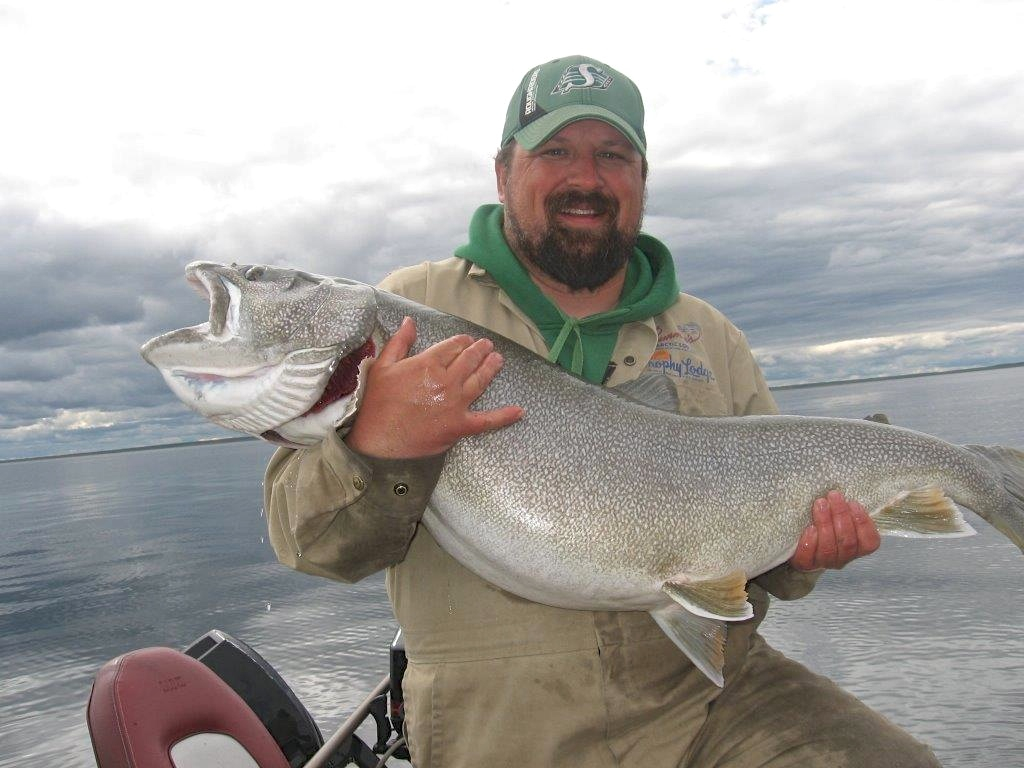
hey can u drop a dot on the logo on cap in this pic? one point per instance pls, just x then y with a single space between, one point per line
530 104
581 76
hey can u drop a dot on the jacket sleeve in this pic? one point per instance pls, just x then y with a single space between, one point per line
337 513
752 397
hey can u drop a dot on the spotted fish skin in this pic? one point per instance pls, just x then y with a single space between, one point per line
597 501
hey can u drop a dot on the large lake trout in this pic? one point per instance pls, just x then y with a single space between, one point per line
597 499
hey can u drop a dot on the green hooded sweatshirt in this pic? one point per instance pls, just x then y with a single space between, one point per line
582 345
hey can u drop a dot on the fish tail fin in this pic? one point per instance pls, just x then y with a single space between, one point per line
922 512
1008 465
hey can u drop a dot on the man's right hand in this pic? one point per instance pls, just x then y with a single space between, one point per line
420 406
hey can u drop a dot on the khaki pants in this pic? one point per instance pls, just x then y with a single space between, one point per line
779 714
580 709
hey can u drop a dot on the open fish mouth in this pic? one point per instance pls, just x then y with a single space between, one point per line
304 384
220 372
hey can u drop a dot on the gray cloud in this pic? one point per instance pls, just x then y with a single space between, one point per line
57 276
360 230
895 214
80 300
855 214
34 367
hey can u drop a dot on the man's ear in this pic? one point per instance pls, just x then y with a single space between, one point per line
500 176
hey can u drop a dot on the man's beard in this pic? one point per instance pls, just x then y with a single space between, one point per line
579 259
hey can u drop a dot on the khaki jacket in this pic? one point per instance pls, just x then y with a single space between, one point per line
489 669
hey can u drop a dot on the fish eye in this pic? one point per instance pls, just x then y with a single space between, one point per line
254 273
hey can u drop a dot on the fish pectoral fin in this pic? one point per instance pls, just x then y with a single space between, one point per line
655 390
700 638
724 598
922 512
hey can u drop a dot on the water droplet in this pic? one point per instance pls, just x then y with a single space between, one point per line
268 607
263 539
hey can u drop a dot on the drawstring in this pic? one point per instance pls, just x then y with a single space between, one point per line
572 325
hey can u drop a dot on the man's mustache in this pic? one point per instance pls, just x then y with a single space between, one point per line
595 201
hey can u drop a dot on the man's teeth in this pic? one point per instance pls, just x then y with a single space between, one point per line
581 211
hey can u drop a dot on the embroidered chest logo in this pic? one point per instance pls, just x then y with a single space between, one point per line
675 354
690 332
581 76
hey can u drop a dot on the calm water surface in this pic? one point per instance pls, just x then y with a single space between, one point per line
104 554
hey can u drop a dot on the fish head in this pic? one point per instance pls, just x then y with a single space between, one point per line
276 342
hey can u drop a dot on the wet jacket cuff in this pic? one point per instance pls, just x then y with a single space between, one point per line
335 513
398 487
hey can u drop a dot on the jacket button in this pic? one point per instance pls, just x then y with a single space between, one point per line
400 489
629 360
358 483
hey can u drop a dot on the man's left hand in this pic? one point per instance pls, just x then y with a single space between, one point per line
840 531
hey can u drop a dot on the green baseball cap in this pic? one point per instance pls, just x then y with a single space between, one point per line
573 88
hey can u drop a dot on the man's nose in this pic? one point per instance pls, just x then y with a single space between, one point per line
584 172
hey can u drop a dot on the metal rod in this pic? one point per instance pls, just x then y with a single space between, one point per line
319 760
399 742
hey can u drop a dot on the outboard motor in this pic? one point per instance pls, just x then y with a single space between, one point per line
264 690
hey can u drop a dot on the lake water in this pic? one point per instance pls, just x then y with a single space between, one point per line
103 554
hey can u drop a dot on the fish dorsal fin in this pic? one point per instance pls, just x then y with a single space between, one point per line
701 639
655 390
724 598
925 511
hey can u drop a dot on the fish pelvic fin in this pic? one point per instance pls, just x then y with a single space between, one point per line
1008 464
701 639
922 512
724 598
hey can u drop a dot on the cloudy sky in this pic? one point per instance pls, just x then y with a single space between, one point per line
844 179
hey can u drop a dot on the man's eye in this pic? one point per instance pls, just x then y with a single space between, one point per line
555 152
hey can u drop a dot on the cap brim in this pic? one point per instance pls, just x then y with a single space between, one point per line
543 128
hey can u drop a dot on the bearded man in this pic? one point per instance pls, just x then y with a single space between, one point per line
561 268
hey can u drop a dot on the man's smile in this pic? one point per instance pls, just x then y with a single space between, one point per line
576 210
581 216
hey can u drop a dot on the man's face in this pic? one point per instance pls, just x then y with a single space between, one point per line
573 205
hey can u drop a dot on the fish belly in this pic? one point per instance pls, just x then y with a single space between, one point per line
541 574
